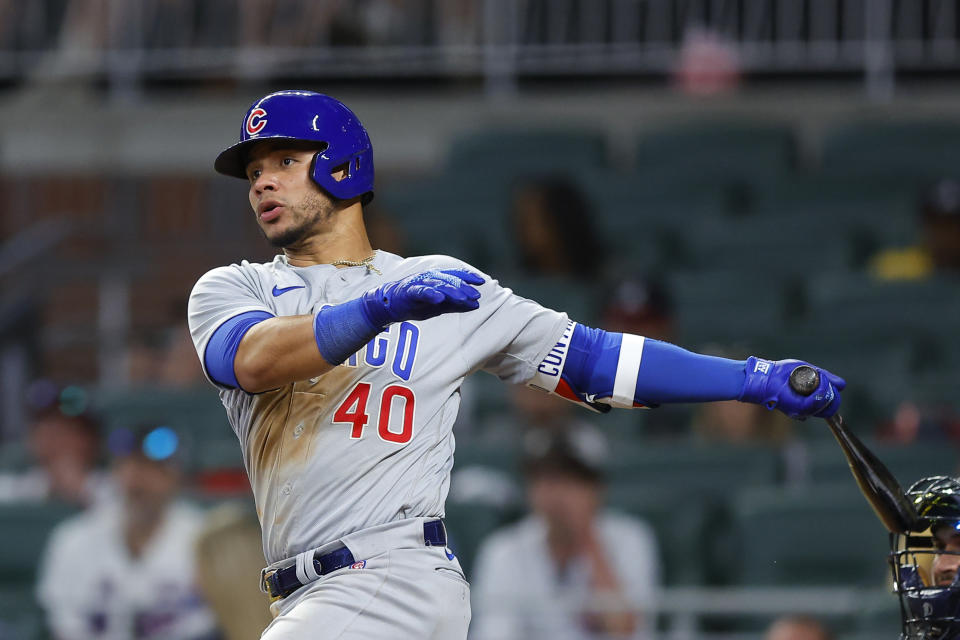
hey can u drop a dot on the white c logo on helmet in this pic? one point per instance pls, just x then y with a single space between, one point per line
256 121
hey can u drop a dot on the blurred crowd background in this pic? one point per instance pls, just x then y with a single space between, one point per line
769 177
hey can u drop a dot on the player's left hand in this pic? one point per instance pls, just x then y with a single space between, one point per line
423 295
767 382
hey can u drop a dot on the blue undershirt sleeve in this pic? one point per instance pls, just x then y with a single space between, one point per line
222 347
669 373
598 362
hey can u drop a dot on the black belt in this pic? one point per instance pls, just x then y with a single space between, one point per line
282 582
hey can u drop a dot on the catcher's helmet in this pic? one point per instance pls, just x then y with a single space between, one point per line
929 612
311 117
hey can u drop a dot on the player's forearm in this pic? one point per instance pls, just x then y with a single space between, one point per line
277 352
624 370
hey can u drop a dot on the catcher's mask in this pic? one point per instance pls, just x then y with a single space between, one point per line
928 611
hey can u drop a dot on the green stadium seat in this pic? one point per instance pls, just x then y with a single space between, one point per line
681 522
527 150
577 299
197 415
727 306
21 617
907 462
641 219
712 151
693 468
468 525
858 302
24 529
903 149
823 535
454 214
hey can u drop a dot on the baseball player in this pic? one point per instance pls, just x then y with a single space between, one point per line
925 564
340 368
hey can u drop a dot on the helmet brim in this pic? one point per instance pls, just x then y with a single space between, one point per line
232 161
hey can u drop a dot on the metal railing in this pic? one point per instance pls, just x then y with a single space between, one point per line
497 40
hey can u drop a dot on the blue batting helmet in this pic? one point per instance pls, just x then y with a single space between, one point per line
311 117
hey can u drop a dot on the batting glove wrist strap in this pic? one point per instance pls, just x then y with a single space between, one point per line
342 330
755 383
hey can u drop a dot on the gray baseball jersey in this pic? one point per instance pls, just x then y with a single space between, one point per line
371 441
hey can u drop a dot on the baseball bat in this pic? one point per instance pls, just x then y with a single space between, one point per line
877 484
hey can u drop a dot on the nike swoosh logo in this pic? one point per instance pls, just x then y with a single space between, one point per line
280 292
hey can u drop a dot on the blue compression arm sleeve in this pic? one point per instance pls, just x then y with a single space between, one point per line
223 344
667 373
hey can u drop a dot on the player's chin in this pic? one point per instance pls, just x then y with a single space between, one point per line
282 236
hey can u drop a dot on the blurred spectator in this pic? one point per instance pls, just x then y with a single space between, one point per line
63 441
641 306
708 63
911 422
126 568
797 628
229 557
558 574
144 356
736 422
180 368
555 231
85 32
939 248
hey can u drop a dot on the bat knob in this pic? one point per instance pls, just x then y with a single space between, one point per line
804 380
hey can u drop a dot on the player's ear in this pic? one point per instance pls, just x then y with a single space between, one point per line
340 172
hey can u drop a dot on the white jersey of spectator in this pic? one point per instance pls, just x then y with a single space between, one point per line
33 485
371 441
92 589
518 593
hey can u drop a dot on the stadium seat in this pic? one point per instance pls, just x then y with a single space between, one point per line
727 307
468 524
21 617
682 523
908 463
710 470
24 529
716 151
857 301
823 535
577 299
527 150
454 214
197 415
918 149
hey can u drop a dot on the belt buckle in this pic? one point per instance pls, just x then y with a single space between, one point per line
266 586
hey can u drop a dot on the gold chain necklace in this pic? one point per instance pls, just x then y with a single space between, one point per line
366 262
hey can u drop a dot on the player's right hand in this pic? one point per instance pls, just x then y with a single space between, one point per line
422 296
768 383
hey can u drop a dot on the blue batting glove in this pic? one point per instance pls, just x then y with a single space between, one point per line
768 383
422 296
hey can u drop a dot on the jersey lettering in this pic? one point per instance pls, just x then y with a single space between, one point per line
406 350
376 351
353 410
391 393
